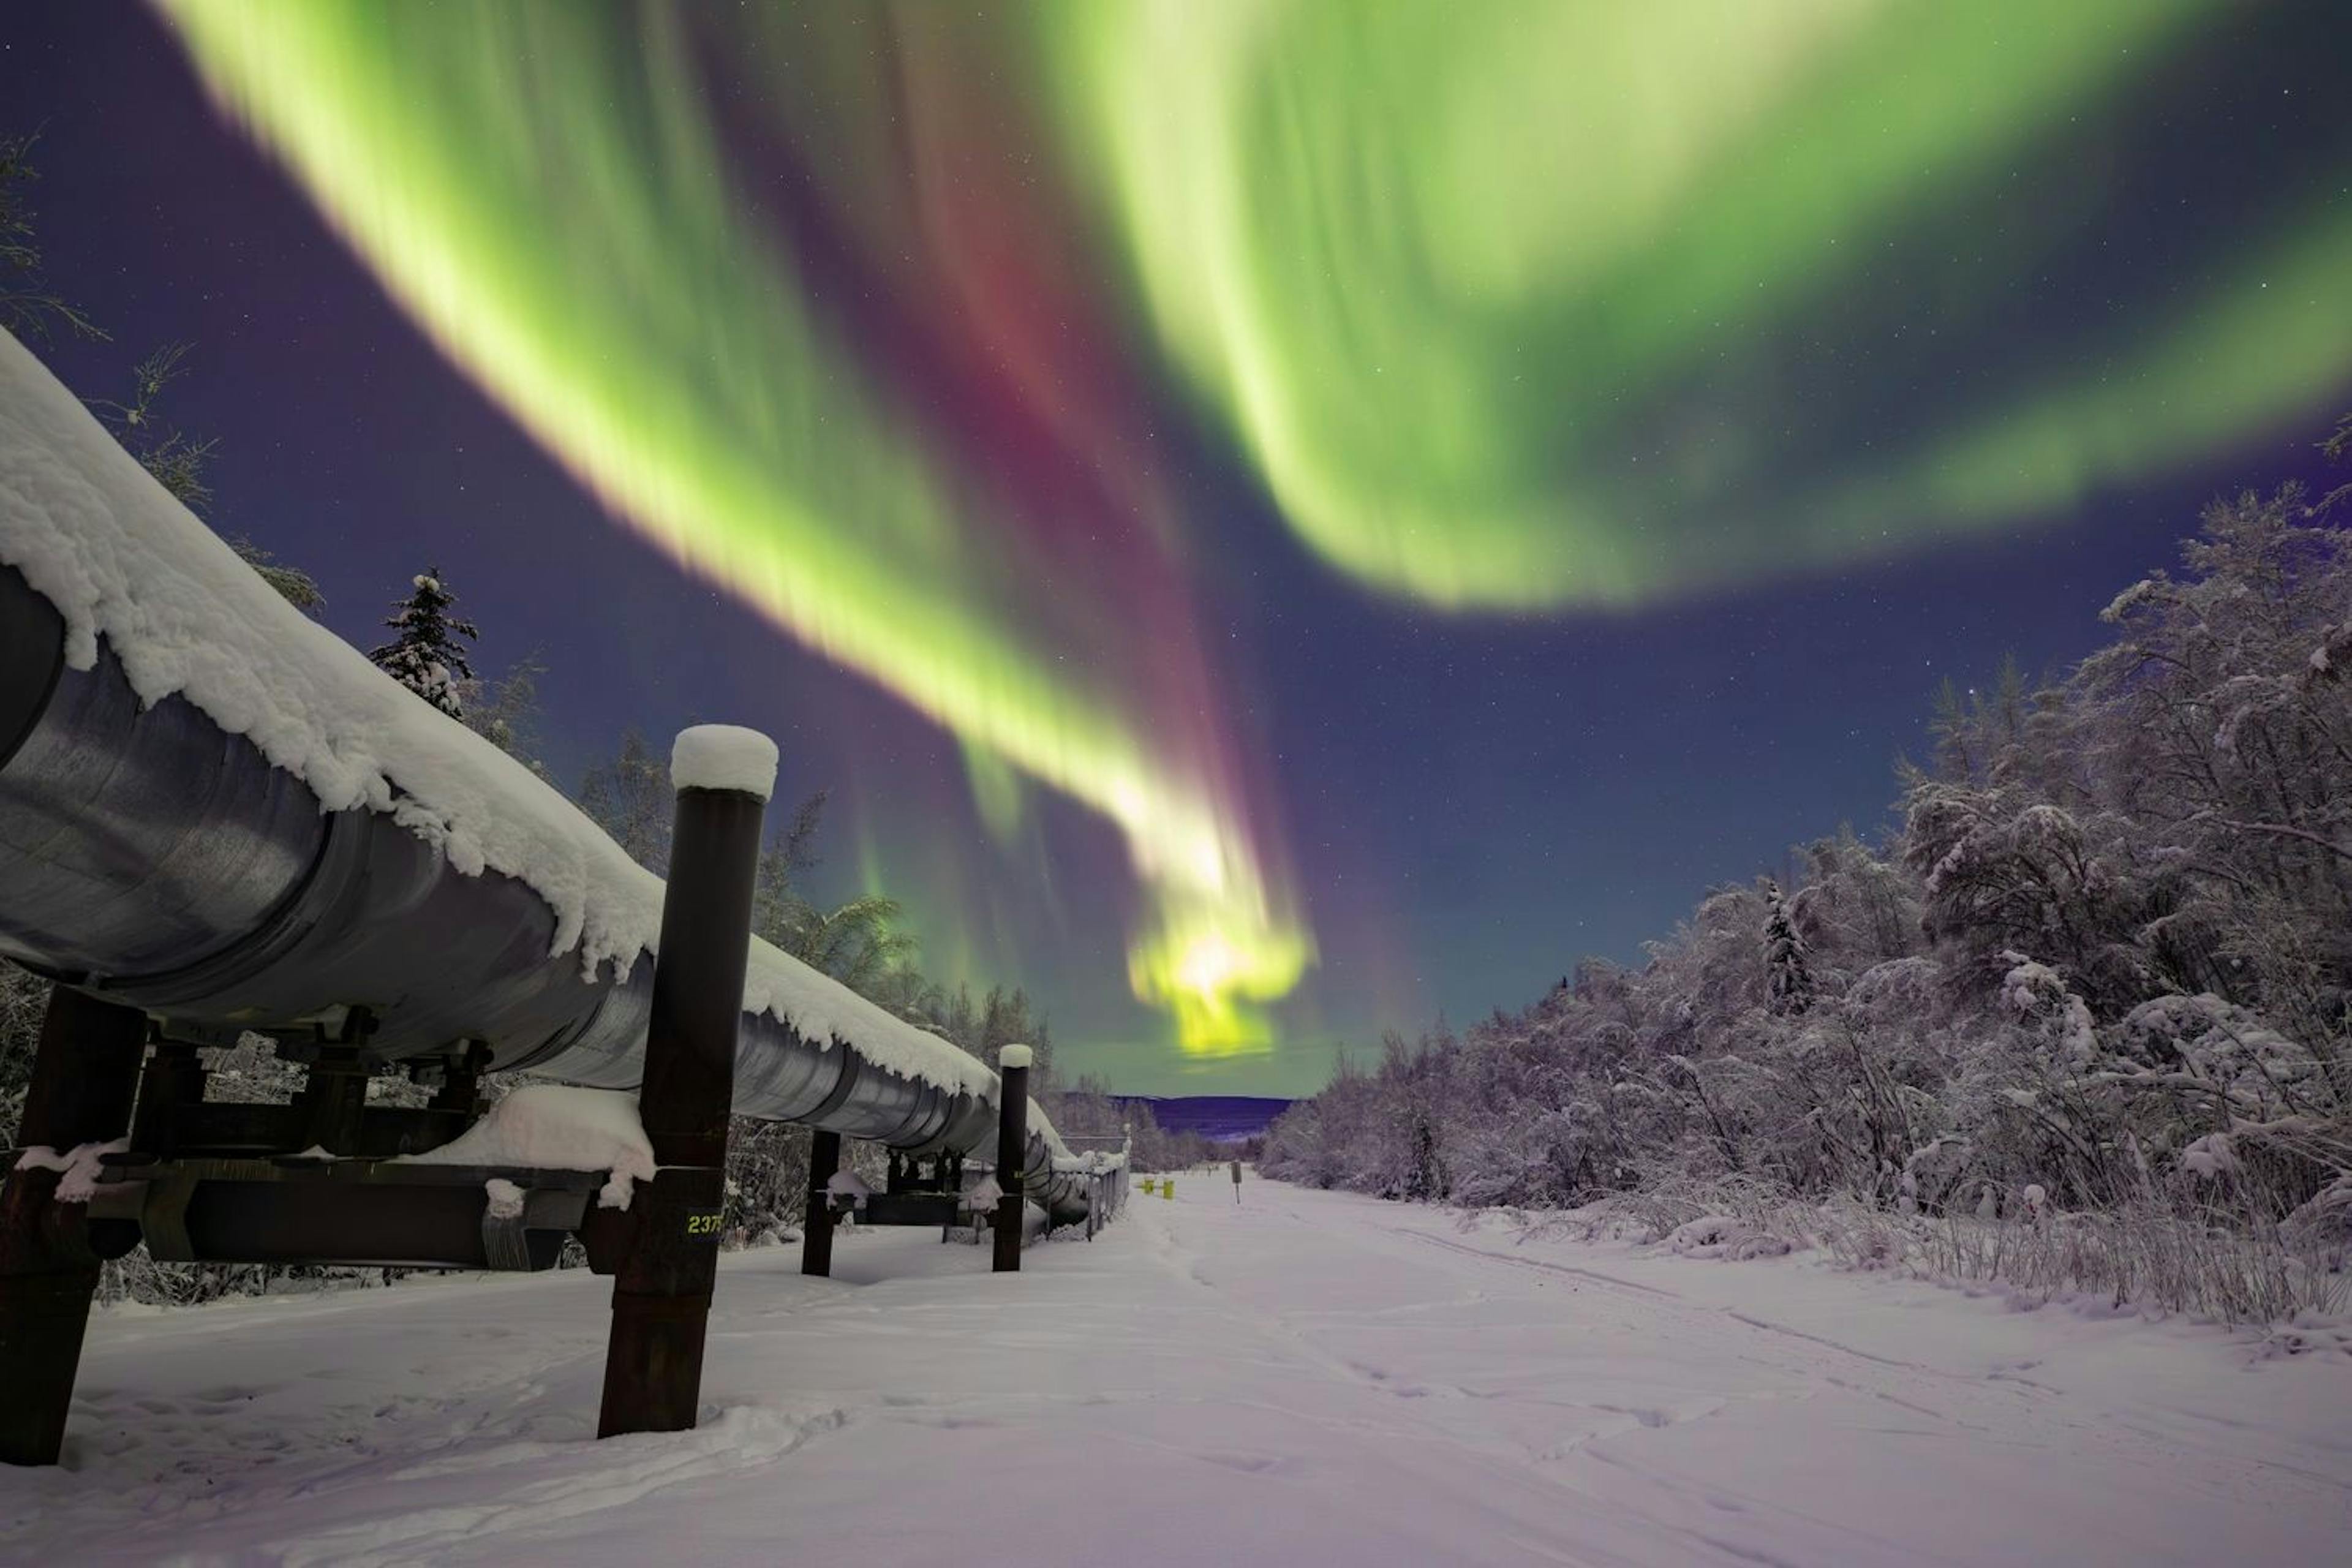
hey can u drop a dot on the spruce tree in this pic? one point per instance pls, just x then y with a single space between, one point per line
426 657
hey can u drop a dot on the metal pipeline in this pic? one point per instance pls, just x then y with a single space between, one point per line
152 858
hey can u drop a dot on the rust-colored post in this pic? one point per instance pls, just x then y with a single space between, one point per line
85 1074
816 1229
661 1291
1012 1150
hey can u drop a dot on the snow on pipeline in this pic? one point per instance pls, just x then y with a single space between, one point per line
1300 1378
122 560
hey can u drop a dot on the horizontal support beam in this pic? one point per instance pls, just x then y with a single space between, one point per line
915 1208
350 1212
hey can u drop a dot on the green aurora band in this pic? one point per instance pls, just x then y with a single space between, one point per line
542 189
1449 272
1512 305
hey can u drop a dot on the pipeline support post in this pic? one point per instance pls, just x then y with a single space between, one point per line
1012 1149
816 1227
85 1075
661 1291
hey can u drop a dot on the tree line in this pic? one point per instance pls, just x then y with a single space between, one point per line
2104 962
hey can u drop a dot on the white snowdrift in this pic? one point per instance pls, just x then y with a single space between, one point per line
556 1127
849 1184
121 560
1721 1236
79 1167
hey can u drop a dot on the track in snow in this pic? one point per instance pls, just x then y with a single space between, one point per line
1305 1378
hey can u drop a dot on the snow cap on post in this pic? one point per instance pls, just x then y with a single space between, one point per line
1015 1056
723 756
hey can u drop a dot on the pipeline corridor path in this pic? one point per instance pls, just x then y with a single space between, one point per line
1301 1378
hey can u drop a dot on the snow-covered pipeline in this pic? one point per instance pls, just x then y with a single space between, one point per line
213 809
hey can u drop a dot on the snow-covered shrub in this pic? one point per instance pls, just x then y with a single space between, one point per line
1720 1236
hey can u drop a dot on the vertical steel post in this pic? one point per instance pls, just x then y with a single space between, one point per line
85 1074
661 1292
816 1229
1012 1149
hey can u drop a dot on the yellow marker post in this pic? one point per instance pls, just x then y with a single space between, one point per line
1167 1188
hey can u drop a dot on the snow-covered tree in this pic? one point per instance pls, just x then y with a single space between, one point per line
293 584
427 654
631 799
858 944
505 711
178 461
1788 977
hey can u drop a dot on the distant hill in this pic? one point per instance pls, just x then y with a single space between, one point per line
1225 1118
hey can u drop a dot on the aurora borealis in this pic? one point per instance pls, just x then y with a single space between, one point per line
1441 267
557 209
1145 393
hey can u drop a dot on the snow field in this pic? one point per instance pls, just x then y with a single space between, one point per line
1304 1378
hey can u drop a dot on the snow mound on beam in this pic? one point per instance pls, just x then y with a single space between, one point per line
95 535
556 1127
79 1169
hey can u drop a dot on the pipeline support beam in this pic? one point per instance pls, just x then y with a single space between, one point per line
85 1074
816 1228
661 1293
1011 1147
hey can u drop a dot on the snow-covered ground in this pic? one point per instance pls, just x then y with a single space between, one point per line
1305 1378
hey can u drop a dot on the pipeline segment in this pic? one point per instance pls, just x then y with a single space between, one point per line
149 857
